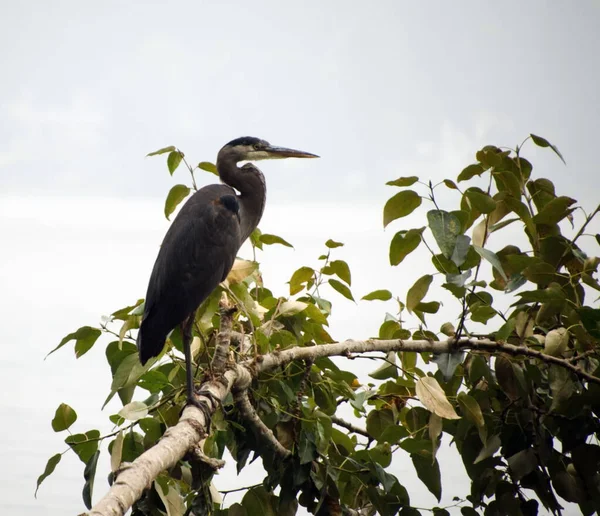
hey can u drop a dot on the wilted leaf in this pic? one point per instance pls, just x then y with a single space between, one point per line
445 228
556 342
542 142
173 161
403 181
241 270
64 417
432 396
400 205
418 291
177 194
380 295
48 470
404 243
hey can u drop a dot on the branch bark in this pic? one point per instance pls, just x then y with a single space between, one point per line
192 427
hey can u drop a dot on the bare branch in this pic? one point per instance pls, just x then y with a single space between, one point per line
223 338
349 426
262 431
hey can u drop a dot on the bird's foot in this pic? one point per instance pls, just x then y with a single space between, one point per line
203 405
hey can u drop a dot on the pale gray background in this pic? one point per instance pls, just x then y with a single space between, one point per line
379 89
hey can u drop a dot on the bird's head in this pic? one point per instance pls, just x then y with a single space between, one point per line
248 148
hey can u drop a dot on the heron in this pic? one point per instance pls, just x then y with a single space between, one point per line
200 247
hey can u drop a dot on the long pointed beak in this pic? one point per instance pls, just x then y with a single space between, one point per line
283 152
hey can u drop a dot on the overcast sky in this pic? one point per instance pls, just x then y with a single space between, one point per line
379 90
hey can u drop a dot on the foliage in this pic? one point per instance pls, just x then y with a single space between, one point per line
519 399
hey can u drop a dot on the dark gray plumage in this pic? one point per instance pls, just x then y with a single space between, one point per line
200 247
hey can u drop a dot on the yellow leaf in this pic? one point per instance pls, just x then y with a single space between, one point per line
431 394
241 270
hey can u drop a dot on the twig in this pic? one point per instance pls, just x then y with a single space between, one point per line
349 426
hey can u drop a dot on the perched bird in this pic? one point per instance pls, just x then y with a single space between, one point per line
200 247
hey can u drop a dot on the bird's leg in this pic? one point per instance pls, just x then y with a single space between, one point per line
186 333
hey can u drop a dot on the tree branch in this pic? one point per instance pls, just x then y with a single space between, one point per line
263 432
192 427
219 360
349 426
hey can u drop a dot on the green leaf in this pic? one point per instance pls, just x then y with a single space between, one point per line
542 142
450 184
418 291
84 445
164 150
341 269
85 338
448 362
173 161
403 181
64 417
258 501
378 421
208 167
482 313
116 452
404 243
89 474
380 295
491 446
48 470
553 212
387 370
177 194
431 307
300 276
341 288
134 411
590 318
471 409
400 205
274 239
445 228
470 171
491 257
429 473
481 201
332 244
461 249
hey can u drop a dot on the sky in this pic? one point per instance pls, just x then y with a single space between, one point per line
378 90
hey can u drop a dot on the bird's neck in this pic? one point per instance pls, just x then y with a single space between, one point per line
250 182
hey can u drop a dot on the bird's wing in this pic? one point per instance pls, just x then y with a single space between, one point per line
196 255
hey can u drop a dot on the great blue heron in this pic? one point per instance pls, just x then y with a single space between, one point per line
199 248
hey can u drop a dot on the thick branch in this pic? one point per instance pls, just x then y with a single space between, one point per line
223 339
139 475
132 480
281 358
262 431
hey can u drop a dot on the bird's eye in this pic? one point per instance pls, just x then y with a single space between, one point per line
256 146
